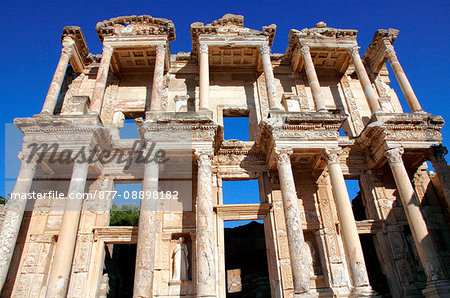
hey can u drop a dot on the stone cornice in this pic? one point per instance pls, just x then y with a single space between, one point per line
83 57
375 55
416 132
136 26
229 25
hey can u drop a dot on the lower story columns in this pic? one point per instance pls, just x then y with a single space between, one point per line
145 254
437 286
14 214
205 255
297 248
65 247
347 222
437 158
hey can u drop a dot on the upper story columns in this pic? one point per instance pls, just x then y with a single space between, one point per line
369 92
58 78
380 50
313 80
204 76
102 77
274 100
403 81
158 78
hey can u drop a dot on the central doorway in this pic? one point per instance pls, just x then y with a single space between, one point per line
246 269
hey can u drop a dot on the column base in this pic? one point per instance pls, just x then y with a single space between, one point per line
364 291
308 294
322 111
440 288
420 112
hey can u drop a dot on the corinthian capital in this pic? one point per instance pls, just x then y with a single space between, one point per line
28 160
390 52
283 155
394 155
108 49
353 51
160 48
67 51
264 49
438 152
203 48
204 156
332 155
304 50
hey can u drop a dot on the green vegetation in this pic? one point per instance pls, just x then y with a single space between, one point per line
124 215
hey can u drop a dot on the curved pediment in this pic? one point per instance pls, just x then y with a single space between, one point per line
136 26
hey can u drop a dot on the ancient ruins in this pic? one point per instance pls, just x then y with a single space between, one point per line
319 115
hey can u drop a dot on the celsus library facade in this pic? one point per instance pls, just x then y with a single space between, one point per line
317 118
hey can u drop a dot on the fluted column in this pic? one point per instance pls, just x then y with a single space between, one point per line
205 254
65 246
58 78
158 78
15 208
347 221
370 94
403 81
100 83
145 254
313 80
274 101
437 158
297 248
422 238
204 77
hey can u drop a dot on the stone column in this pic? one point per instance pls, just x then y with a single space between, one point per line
205 254
58 78
274 101
424 244
403 81
370 94
347 222
65 246
15 208
145 254
158 78
437 158
204 77
297 248
100 83
313 80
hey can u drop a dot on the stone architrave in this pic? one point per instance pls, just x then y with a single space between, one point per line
65 246
205 254
102 77
58 77
14 214
297 246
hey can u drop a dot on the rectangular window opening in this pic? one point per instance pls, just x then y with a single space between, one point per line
241 192
118 270
129 130
125 209
246 267
236 125
354 192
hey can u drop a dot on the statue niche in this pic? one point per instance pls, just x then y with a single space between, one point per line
180 261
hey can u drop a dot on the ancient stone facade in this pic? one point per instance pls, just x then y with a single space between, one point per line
296 104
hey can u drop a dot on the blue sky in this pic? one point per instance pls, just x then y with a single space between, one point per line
31 45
